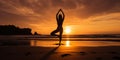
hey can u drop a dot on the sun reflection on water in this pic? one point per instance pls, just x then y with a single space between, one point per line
67 43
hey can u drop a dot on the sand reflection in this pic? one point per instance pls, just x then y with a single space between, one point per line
67 43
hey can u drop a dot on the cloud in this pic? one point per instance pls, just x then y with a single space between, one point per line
84 8
42 11
106 17
98 7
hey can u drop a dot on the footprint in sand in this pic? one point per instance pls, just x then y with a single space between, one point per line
93 52
116 57
112 52
64 55
83 53
98 58
28 53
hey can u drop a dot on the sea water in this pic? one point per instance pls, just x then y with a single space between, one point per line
23 40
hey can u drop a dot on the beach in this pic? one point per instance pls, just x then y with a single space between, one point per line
59 29
60 53
69 50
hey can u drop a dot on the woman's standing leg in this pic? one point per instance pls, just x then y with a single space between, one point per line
60 36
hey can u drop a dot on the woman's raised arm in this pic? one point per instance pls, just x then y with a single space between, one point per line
57 14
62 13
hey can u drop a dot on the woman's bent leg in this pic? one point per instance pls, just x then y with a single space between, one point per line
53 33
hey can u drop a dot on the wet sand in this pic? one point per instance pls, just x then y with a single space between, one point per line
59 53
12 49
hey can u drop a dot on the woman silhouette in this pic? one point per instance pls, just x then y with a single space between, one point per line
60 18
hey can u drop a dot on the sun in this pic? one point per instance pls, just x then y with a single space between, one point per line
67 29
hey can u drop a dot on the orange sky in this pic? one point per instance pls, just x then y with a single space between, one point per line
82 16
